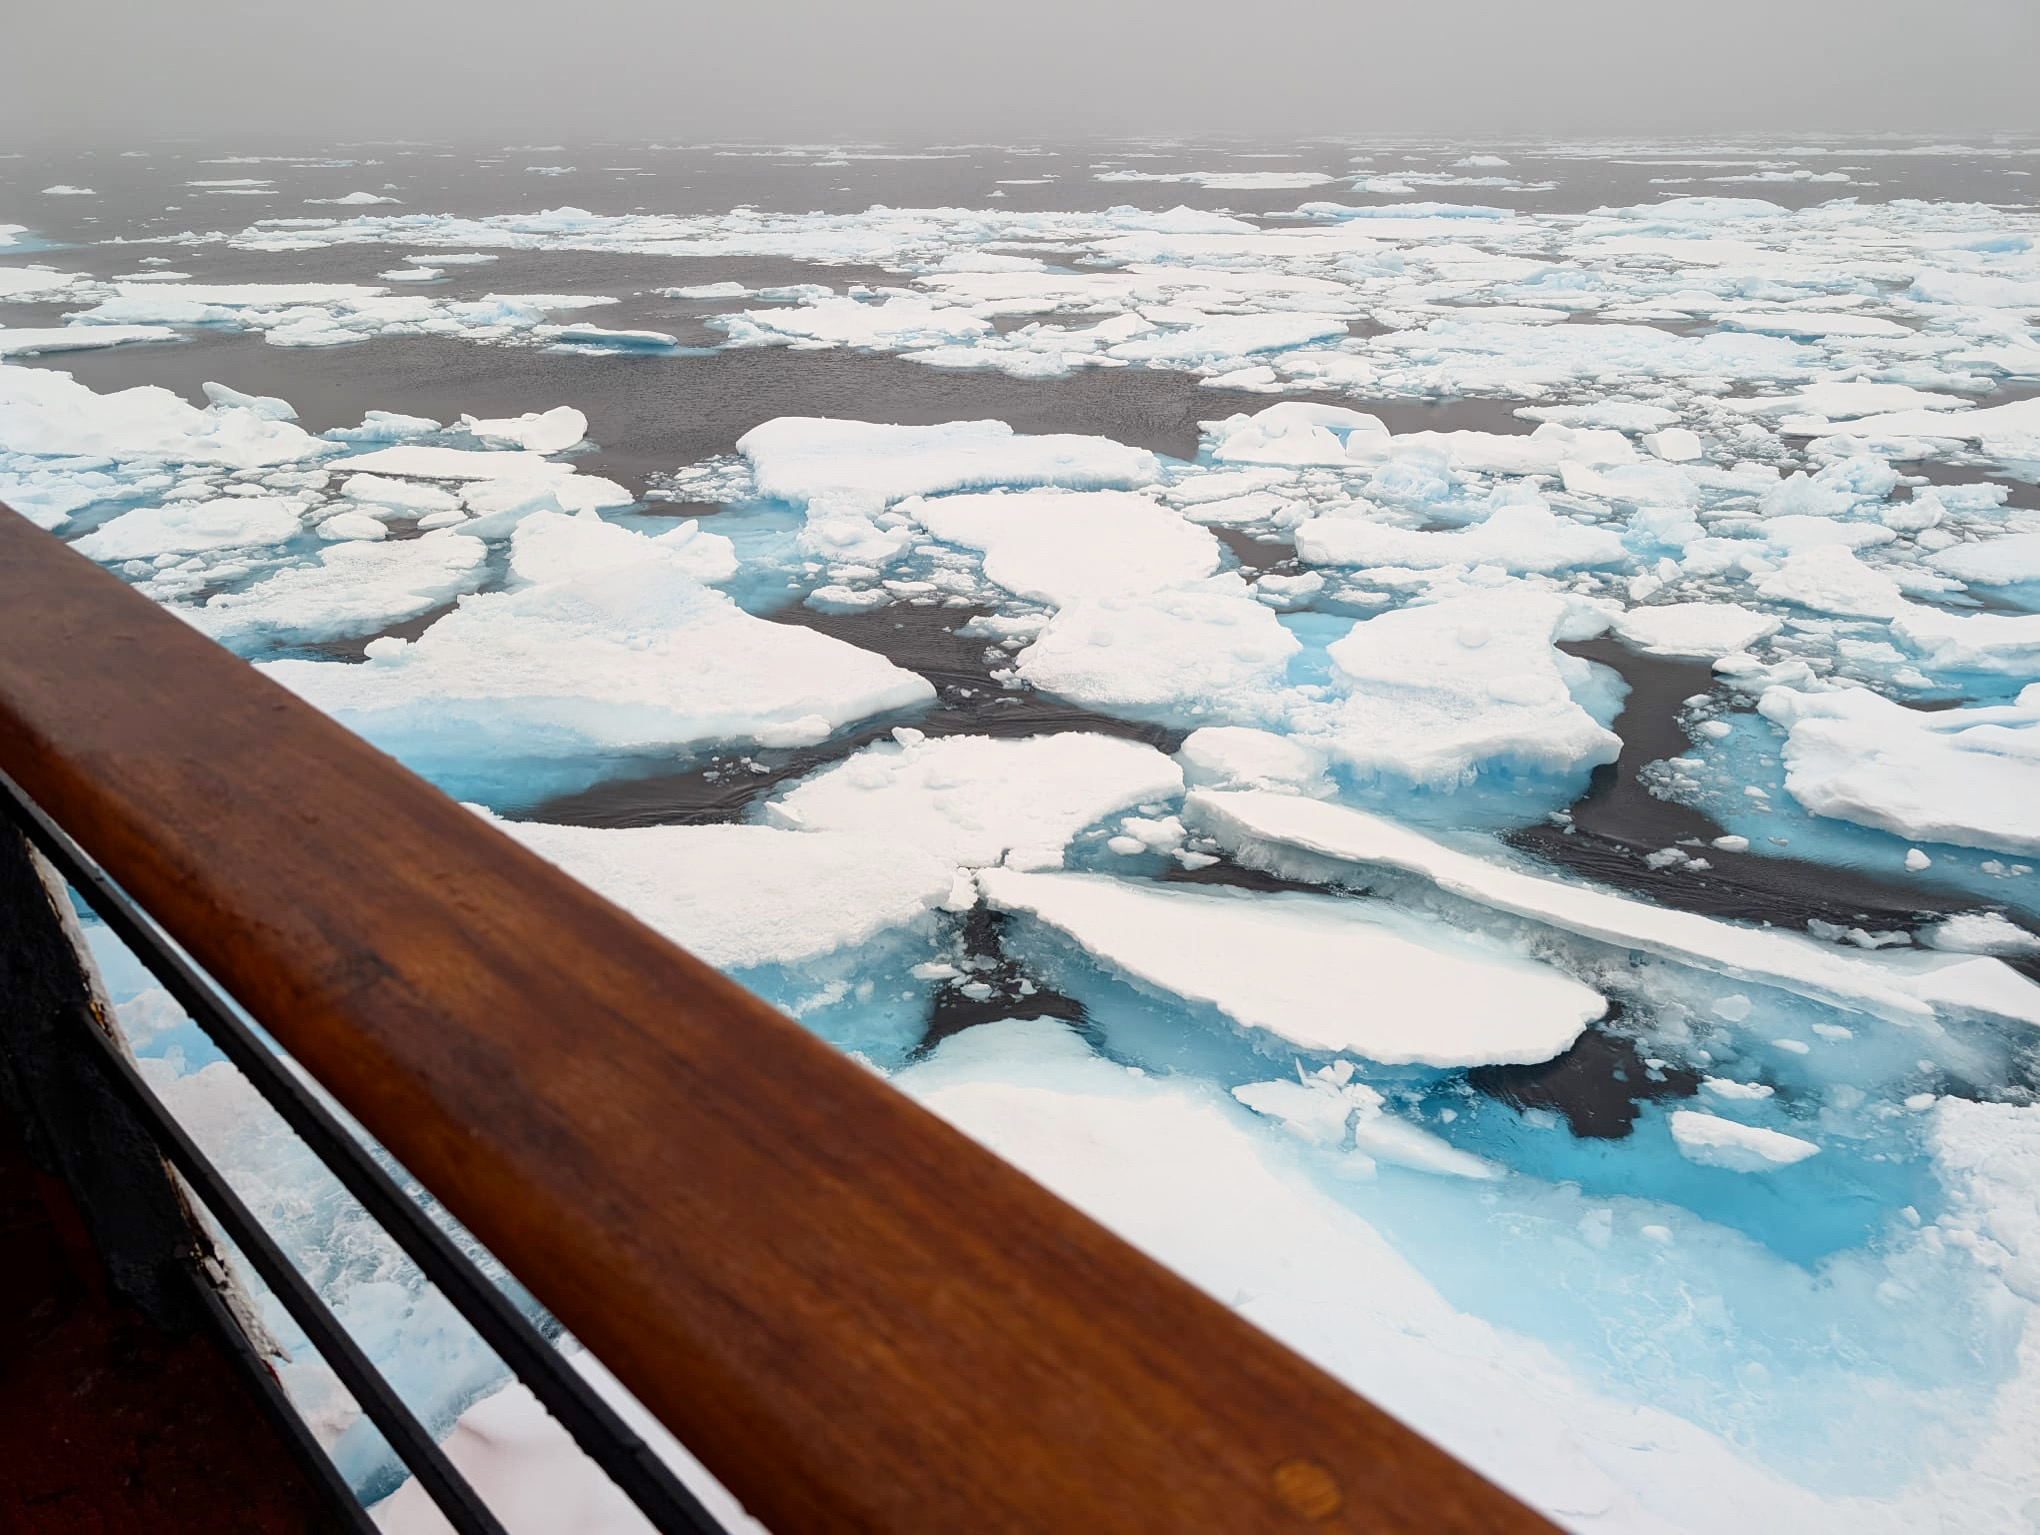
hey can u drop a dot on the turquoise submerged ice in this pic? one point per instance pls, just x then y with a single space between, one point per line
1662 1219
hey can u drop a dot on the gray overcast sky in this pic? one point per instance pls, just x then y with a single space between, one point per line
130 71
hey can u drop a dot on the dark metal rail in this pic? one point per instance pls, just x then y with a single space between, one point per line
601 1434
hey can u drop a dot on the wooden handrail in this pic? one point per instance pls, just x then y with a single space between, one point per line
858 1318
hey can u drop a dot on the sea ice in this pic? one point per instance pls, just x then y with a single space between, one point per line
798 458
745 896
1697 629
549 431
32 341
555 546
1967 776
1441 693
353 588
630 659
1128 543
193 527
1999 561
1320 973
978 800
1309 839
1188 654
1521 537
1715 1142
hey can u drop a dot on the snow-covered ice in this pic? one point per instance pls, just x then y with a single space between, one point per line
1325 975
1716 1142
625 660
1970 776
978 800
1233 744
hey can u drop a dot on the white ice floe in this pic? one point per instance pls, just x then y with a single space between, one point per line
1716 1142
1440 693
800 458
1328 1107
979 800
899 321
353 588
2012 430
1829 578
630 659
351 525
1189 653
1311 839
1981 932
1703 630
38 284
557 546
1991 1156
1299 434
30 341
1968 776
1846 400
1524 537
551 431
745 896
192 527
538 1481
1318 972
1998 561
1237 757
332 314
390 497
417 461
2002 644
1225 181
49 414
1059 546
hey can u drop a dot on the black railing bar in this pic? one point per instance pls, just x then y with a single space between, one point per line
594 1425
290 1422
456 1498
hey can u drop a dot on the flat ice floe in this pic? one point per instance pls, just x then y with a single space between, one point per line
746 896
1309 839
1700 629
351 589
1322 974
978 800
1436 694
554 546
626 660
1716 1142
1129 543
1970 776
192 527
1187 653
802 458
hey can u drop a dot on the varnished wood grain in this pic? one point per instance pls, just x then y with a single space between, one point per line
859 1319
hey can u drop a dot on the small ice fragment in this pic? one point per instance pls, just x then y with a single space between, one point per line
1715 1142
1674 444
1722 1087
